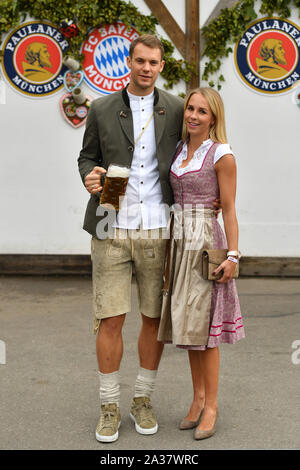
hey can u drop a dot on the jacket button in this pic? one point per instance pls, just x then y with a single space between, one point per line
130 148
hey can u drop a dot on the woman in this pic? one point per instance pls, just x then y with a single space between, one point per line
198 314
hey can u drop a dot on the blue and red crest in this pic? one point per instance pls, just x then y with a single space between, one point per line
105 50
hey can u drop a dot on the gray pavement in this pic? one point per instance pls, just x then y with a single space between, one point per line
49 384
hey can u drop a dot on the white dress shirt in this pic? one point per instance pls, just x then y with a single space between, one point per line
143 206
198 158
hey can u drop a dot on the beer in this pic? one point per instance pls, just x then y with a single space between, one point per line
115 184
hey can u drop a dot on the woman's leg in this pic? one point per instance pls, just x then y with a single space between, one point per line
210 364
198 386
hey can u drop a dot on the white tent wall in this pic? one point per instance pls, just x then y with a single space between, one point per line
42 199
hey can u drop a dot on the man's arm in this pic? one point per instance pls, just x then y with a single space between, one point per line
90 154
218 206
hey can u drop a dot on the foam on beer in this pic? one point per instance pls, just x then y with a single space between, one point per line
115 171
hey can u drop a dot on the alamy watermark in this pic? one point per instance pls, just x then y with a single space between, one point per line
2 352
188 223
296 354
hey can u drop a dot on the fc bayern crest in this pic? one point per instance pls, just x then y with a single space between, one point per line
267 56
32 59
105 50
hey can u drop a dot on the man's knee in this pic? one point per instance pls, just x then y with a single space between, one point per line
112 325
152 324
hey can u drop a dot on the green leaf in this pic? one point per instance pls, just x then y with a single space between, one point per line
219 35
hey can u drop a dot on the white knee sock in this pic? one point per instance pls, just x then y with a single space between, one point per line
145 382
109 388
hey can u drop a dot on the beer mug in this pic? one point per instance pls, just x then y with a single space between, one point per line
114 187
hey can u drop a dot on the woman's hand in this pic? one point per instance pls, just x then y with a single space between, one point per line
228 268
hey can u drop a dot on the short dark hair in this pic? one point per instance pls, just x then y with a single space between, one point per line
148 40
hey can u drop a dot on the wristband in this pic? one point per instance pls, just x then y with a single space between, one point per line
238 254
235 260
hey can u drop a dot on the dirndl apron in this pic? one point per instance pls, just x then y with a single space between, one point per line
186 305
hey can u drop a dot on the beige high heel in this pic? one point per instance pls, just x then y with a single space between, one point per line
187 424
200 434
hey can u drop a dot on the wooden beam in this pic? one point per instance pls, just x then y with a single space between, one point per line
80 265
190 44
44 265
220 6
214 14
259 266
168 23
192 39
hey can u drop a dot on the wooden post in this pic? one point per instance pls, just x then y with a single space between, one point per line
187 43
168 23
192 40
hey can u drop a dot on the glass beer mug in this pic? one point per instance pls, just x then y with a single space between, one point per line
114 187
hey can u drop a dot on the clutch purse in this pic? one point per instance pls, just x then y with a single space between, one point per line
211 259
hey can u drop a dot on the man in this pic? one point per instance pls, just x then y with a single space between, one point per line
121 129
37 58
271 54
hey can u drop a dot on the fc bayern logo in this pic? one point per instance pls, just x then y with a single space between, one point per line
32 59
267 56
105 50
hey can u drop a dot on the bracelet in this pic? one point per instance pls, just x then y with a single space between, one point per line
235 260
238 254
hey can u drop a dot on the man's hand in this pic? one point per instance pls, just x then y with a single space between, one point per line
218 207
92 181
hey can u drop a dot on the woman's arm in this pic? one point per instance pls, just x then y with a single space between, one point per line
226 174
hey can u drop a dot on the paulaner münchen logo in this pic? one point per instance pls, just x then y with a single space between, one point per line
32 59
267 56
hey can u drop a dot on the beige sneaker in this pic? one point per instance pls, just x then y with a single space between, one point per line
142 415
109 423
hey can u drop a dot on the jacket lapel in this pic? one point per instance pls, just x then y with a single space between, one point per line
160 113
159 122
126 123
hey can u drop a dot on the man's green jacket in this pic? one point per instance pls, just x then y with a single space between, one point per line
108 138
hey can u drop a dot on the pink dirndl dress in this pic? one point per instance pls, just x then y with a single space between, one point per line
199 314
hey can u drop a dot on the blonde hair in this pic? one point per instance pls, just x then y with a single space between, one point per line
217 131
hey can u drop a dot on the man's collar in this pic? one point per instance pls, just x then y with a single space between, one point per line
126 97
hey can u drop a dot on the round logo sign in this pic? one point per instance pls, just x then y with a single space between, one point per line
105 50
267 56
32 59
